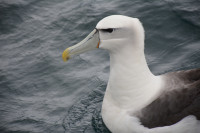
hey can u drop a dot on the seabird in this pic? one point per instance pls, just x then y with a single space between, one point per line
136 101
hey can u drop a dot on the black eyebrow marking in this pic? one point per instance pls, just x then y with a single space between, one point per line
109 30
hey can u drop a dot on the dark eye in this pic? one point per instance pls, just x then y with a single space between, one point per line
110 30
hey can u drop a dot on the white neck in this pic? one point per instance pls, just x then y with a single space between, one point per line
131 83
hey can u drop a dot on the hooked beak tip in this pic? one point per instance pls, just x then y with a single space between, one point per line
65 55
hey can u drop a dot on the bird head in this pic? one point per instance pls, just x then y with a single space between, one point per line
113 33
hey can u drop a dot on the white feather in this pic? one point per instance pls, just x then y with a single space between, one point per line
131 84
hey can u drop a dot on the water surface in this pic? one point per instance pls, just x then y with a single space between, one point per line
39 93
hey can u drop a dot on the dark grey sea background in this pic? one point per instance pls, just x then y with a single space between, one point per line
39 93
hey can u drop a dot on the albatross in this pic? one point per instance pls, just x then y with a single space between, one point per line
135 100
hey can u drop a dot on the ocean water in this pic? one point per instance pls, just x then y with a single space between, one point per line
39 93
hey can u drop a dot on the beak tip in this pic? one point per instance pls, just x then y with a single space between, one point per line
65 55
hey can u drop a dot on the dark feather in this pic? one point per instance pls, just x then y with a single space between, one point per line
180 98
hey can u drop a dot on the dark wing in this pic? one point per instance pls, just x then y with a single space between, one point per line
180 98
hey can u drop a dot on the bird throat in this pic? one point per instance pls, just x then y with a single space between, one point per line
131 84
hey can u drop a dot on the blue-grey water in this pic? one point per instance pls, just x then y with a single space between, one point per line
39 93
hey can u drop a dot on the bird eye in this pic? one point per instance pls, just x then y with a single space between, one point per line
110 30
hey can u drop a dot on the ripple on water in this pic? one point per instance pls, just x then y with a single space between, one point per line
84 116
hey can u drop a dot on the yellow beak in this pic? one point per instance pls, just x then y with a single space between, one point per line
89 43
65 55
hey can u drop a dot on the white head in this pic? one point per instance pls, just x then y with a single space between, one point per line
117 31
113 33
